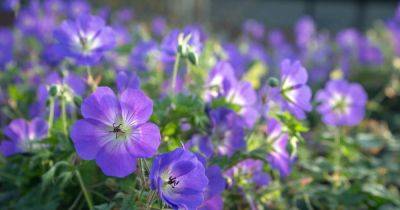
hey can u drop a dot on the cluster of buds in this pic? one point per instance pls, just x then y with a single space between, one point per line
185 50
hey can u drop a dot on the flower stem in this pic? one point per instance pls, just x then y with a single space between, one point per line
64 115
337 160
175 72
150 199
84 190
90 79
141 172
51 115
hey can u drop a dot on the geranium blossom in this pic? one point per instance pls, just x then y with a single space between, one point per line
115 131
22 136
342 103
179 178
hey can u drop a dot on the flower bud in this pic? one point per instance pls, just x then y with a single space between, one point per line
192 57
273 82
53 91
77 101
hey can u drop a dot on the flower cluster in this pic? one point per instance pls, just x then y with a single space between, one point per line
153 115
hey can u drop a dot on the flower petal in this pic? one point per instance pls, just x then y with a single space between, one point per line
136 107
89 136
144 140
115 160
102 105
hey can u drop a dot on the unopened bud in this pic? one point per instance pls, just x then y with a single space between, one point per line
53 91
77 101
192 57
273 82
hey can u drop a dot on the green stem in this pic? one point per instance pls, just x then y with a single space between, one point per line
51 115
307 201
89 71
141 174
90 79
175 72
150 199
84 190
64 115
337 160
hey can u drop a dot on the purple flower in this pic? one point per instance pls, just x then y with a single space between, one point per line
115 131
213 203
394 27
305 31
348 39
78 7
145 55
226 135
254 29
342 103
216 185
220 80
85 39
179 178
6 46
127 79
227 131
169 45
169 48
159 26
256 52
293 95
248 171
72 85
369 53
122 35
243 94
276 38
54 7
10 4
125 15
36 22
222 83
21 136
52 54
319 58
236 58
279 158
281 48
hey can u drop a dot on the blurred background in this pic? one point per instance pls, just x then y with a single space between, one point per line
230 14
329 14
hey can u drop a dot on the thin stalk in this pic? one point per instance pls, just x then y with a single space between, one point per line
72 207
84 190
89 72
307 201
64 115
90 79
150 199
141 174
51 115
175 72
337 160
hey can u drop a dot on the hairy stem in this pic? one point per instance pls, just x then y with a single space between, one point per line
51 115
64 115
84 190
175 71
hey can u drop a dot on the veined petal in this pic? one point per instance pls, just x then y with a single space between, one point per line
136 107
102 105
144 140
115 160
